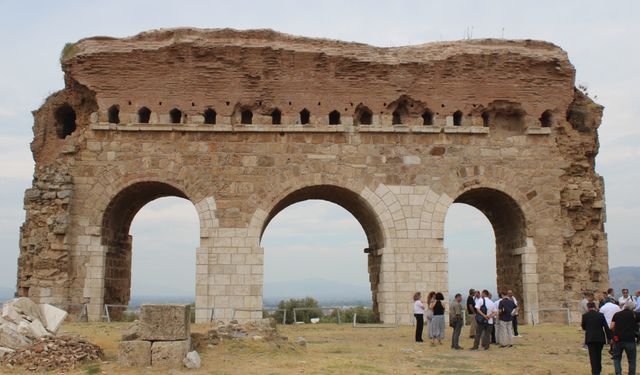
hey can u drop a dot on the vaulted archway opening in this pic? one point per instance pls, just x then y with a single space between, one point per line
162 266
485 233
329 235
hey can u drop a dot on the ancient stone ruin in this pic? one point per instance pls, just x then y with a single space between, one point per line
162 337
246 123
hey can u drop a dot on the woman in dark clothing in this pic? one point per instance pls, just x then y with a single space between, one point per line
436 328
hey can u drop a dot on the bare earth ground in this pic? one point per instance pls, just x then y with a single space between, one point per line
342 349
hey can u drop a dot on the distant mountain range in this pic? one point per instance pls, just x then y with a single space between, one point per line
325 291
625 277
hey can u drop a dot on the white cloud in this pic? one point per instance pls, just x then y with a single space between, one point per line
6 112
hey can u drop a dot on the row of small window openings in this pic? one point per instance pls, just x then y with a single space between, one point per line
246 117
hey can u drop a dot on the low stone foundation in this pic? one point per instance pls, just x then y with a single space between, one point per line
162 337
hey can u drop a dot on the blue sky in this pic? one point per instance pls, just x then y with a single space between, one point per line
599 37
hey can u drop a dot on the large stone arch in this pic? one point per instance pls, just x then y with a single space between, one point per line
378 212
509 213
108 267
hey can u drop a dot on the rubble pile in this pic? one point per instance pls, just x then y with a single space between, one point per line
256 330
22 322
28 338
53 353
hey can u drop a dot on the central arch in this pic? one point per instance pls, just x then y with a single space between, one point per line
361 210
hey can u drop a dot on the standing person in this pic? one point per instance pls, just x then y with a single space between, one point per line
638 301
495 335
588 297
436 327
471 312
609 309
611 295
418 313
428 314
596 334
505 319
516 311
624 297
456 321
484 308
602 299
493 325
623 326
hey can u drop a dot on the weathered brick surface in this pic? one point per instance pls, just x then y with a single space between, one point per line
492 123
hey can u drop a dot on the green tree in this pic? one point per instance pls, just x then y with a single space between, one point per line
302 315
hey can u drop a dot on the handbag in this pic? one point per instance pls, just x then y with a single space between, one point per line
479 318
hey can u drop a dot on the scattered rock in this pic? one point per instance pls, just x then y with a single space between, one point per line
192 360
301 341
53 353
4 351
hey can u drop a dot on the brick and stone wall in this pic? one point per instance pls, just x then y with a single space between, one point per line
246 123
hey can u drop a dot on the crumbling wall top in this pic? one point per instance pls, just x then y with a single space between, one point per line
420 53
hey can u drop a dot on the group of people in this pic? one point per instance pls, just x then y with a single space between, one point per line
491 321
614 321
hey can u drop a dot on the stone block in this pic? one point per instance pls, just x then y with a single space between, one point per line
134 353
24 306
169 353
10 338
11 314
164 322
32 330
52 317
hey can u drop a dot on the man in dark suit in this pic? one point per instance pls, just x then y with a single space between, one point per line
596 334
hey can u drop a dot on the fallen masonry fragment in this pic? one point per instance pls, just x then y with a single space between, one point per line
162 337
23 321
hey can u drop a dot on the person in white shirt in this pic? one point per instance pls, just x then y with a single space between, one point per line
418 313
609 309
495 337
625 297
484 317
